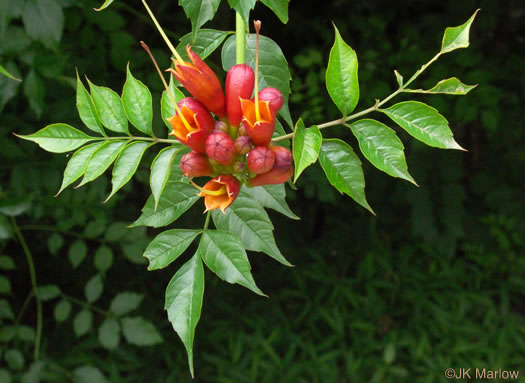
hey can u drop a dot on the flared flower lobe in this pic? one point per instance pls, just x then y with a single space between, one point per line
259 128
220 192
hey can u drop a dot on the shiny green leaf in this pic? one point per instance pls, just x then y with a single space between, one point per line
59 138
450 86
224 254
457 37
306 146
77 165
279 7
140 332
243 7
207 41
109 334
341 75
109 108
138 104
184 296
161 170
86 109
343 170
127 164
101 159
423 123
381 146
168 246
272 197
199 12
248 220
176 199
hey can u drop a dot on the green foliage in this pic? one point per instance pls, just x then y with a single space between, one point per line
199 12
306 146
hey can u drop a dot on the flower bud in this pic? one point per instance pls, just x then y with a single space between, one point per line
221 126
194 125
282 169
220 192
242 131
220 147
195 164
239 84
201 82
260 160
238 167
274 97
243 144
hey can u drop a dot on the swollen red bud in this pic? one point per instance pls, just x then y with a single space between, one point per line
282 169
193 125
195 164
243 145
238 167
274 97
239 84
221 127
260 160
220 147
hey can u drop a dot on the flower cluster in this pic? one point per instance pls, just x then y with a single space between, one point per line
235 149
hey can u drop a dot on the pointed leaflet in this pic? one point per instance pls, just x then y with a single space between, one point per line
343 170
167 108
161 170
7 74
109 108
273 68
341 76
101 160
77 165
168 246
184 302
127 164
44 21
306 146
137 102
207 41
279 7
423 123
59 138
450 86
247 219
86 109
176 199
457 37
199 12
273 197
381 146
243 7
224 254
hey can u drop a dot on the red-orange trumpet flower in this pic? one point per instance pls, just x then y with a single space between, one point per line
220 192
201 82
282 169
192 124
258 120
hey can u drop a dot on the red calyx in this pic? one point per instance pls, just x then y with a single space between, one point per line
195 164
282 169
260 160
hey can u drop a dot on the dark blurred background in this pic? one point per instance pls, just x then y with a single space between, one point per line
436 280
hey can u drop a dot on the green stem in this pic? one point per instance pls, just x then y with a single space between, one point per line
240 39
137 138
377 105
207 222
34 285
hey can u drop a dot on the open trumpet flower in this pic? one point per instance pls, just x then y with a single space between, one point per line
220 192
258 120
192 124
202 83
